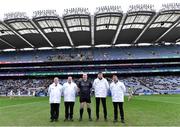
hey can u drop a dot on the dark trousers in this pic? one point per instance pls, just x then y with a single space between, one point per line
120 104
69 106
54 111
103 100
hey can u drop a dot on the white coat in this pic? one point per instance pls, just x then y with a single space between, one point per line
55 93
101 87
117 91
70 91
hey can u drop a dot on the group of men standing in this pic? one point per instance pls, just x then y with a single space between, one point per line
84 87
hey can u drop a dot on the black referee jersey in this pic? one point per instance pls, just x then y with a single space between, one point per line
85 88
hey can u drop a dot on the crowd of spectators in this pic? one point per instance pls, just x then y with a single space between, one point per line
139 84
85 54
81 56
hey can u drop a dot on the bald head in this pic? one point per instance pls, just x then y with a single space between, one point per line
84 76
56 80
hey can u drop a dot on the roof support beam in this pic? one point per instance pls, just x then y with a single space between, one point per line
17 34
119 29
175 24
92 30
7 43
42 33
66 31
146 27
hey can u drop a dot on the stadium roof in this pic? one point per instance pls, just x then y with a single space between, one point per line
109 25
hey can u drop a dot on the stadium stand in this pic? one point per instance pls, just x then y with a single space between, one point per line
140 85
96 54
140 42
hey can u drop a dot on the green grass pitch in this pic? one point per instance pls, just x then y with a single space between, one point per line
155 110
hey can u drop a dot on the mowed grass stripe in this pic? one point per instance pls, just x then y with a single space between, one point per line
17 105
138 112
142 112
41 115
6 101
173 99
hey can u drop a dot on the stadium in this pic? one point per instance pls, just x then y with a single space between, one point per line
141 46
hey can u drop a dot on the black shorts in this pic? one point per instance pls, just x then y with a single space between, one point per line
83 99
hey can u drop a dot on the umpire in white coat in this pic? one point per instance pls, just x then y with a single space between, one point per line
101 88
117 89
69 90
55 92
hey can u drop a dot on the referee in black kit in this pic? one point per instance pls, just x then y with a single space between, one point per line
85 86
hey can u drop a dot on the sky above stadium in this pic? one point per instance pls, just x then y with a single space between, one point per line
29 6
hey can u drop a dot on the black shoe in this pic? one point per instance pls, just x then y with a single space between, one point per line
90 119
80 119
122 121
115 121
65 119
56 120
51 120
71 119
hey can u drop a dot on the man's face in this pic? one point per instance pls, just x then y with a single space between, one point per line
115 78
84 77
100 75
56 80
69 79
